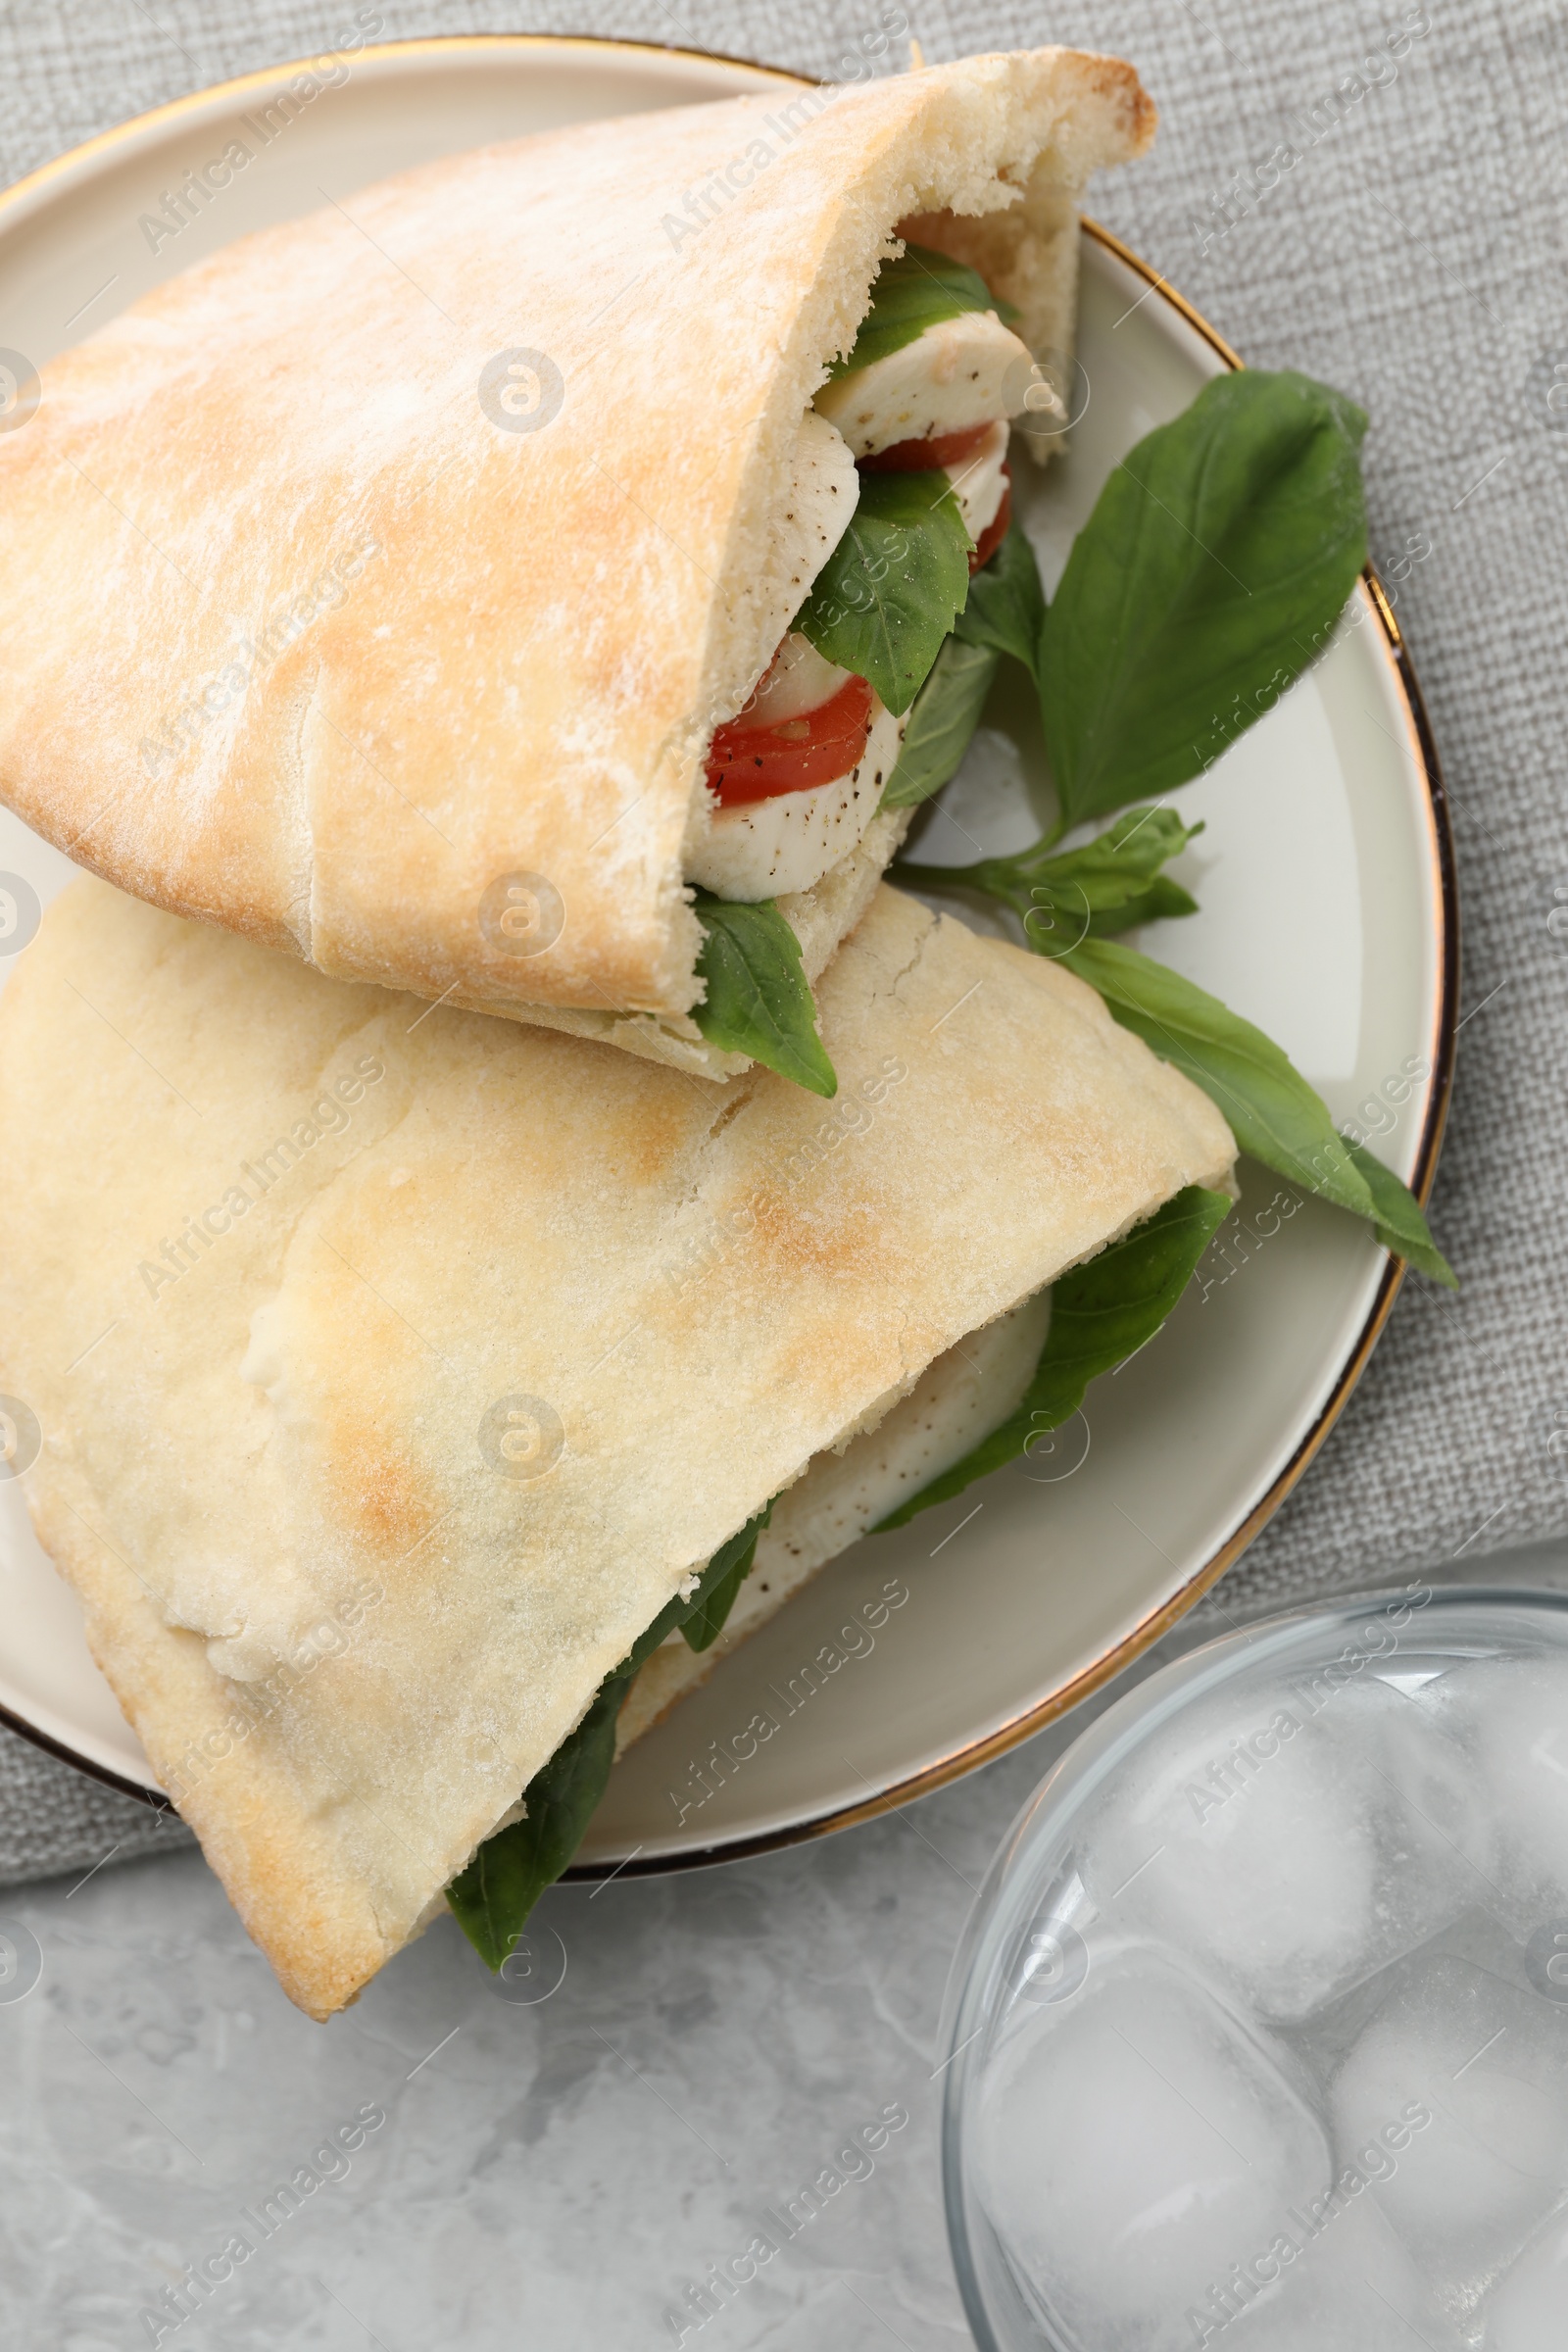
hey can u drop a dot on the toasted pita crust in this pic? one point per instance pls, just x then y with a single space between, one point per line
346 1629
301 642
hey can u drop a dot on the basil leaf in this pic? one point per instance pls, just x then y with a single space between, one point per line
1112 883
1163 901
1398 1228
946 710
1116 867
492 1897
890 591
1004 615
1115 879
1213 568
759 1001
1272 1111
1101 1314
722 1580
719 1573
1007 606
916 291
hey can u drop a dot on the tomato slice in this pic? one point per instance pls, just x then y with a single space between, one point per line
758 763
996 530
919 457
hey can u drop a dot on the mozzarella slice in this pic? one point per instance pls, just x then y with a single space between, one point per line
958 1400
797 679
824 490
960 372
765 849
978 483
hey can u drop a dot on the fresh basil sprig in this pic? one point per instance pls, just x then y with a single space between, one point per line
1101 1314
1217 559
1269 1106
492 1898
918 290
758 1000
886 598
1113 883
1215 565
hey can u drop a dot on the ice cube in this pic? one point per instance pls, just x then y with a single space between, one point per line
1238 1838
1528 2312
1460 2083
1297 1843
1137 2146
1435 1825
1516 1713
1350 2287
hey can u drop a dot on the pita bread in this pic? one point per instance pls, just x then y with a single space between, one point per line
396 1367
304 639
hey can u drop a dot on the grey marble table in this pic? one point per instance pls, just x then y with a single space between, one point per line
448 2165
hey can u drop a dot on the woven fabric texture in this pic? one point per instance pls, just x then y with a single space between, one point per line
1413 255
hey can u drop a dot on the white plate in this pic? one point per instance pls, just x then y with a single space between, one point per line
1328 917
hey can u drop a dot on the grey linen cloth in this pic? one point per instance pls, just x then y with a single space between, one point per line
1412 254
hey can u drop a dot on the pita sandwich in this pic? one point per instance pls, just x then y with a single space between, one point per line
397 1368
381 587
